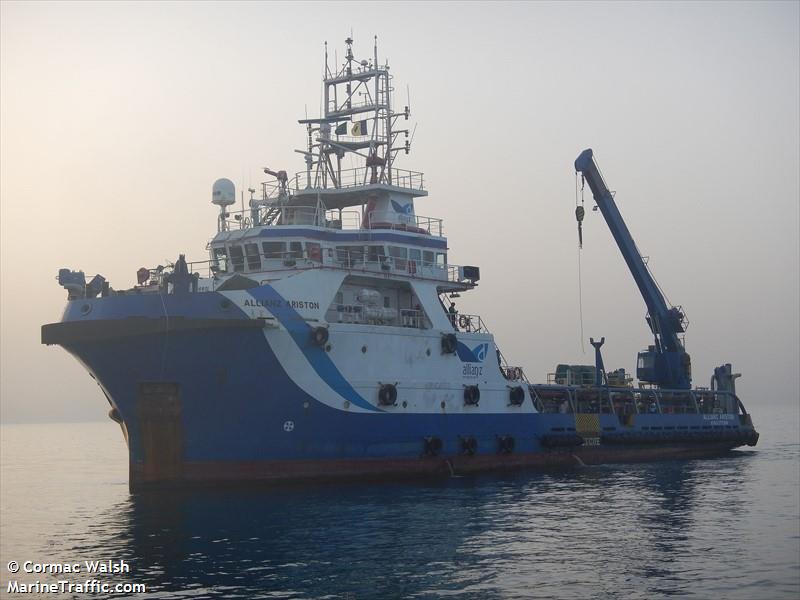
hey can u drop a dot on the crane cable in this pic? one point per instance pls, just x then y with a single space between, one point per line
579 212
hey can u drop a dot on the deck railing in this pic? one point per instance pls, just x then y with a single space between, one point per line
629 400
359 176
332 219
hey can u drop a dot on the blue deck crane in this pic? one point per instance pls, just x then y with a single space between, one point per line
666 363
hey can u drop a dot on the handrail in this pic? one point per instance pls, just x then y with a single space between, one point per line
468 323
348 220
413 223
707 402
360 176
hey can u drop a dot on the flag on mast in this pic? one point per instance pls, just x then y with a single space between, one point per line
360 128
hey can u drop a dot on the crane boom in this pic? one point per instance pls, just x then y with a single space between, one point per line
666 363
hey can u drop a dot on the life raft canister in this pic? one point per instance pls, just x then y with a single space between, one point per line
319 336
472 395
387 395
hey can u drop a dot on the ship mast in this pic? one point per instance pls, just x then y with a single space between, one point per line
358 120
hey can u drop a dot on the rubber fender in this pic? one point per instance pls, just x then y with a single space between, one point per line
505 444
387 394
432 445
516 396
469 445
472 395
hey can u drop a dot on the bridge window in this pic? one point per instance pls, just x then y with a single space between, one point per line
314 251
253 258
441 259
273 249
350 255
400 255
237 258
427 258
295 249
415 254
374 253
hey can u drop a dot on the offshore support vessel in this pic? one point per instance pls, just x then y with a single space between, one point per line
319 339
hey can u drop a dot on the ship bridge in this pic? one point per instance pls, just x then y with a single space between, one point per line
350 213
351 207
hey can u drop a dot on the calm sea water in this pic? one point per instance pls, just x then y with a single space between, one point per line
725 528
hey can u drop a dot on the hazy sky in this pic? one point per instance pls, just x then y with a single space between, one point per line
116 118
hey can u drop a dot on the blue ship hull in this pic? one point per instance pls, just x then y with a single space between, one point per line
201 396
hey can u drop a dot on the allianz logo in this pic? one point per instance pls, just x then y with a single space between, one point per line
476 354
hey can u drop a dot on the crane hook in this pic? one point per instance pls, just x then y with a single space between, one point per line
579 213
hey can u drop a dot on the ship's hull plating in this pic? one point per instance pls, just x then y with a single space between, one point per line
202 397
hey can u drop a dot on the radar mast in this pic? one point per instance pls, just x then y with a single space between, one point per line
358 119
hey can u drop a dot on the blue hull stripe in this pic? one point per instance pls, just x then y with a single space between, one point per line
316 356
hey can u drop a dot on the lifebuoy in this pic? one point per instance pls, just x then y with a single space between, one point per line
387 395
505 444
463 321
472 395
319 336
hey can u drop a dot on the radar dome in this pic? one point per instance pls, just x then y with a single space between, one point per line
223 193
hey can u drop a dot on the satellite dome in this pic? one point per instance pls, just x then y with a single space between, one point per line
223 193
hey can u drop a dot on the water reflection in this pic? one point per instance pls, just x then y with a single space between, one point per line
716 528
629 527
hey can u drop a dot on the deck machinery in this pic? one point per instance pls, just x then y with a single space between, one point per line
666 363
